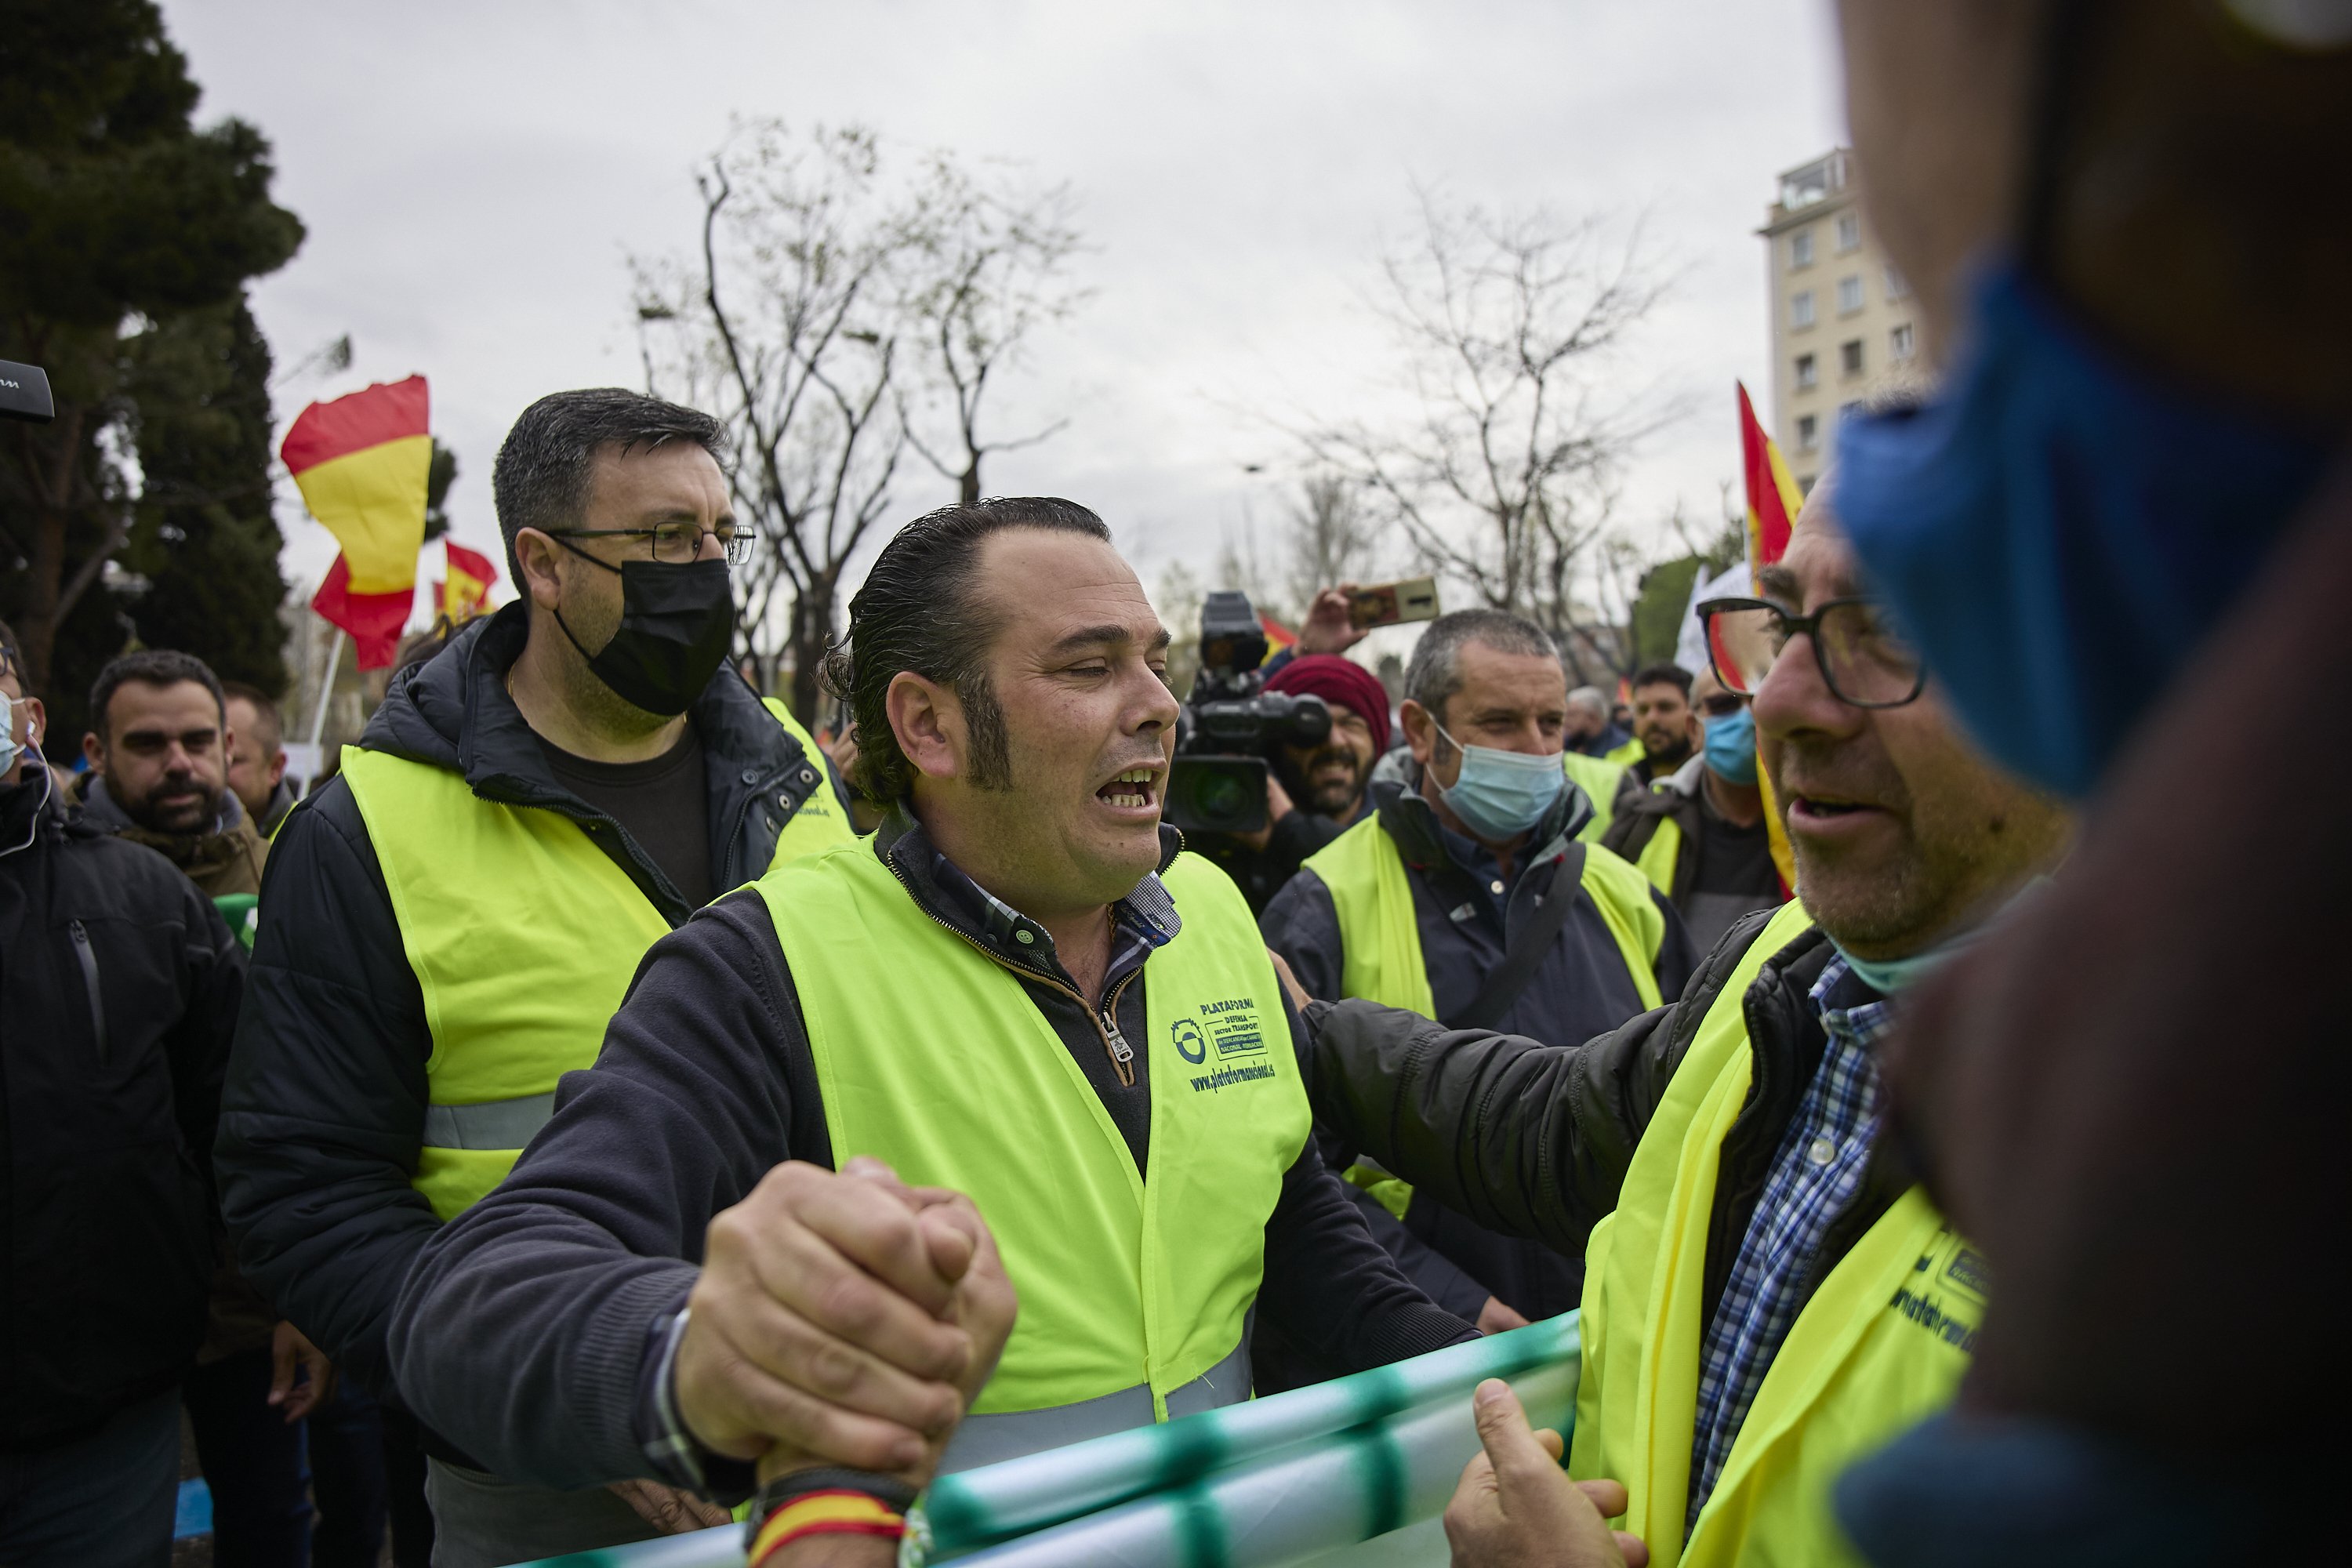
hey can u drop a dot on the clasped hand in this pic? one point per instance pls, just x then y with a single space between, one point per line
842 1317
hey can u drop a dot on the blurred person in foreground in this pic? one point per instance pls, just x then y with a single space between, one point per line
1768 1292
158 774
1315 792
1448 901
119 987
449 923
256 758
1698 833
2122 529
1125 1106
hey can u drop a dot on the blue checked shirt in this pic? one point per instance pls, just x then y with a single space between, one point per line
1815 1173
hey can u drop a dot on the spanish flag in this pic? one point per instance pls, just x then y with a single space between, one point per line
465 591
361 463
1773 504
1277 636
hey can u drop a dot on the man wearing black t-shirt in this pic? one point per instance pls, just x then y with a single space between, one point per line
1699 833
449 925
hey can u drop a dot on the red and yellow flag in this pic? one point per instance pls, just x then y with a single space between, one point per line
1277 636
361 463
465 591
1773 503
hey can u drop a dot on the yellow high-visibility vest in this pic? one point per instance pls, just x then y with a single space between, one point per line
1881 1344
1135 1291
523 936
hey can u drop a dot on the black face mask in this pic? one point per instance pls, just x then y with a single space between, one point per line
676 625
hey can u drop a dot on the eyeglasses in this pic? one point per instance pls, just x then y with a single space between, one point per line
676 543
1863 660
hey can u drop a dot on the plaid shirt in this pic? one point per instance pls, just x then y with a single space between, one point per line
1815 1173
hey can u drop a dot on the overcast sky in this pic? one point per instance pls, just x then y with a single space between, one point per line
475 176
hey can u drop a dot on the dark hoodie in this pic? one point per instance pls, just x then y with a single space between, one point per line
324 1110
118 991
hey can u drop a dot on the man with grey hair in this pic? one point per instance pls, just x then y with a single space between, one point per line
1467 897
453 919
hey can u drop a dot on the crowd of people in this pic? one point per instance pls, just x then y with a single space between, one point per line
600 1104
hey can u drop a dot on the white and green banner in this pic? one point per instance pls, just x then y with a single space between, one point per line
1349 1474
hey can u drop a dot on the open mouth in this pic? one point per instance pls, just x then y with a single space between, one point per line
1137 789
1820 810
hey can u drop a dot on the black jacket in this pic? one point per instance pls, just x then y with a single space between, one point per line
1534 1140
324 1110
524 1332
119 990
1579 990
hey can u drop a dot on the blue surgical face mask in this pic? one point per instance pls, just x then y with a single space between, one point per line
2060 529
1731 746
1890 976
1499 795
9 749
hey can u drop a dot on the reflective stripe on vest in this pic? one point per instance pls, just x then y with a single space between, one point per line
1657 858
492 1124
1598 778
960 1081
1010 1434
1881 1343
1381 939
523 936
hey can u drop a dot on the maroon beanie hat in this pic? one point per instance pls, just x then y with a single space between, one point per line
1336 679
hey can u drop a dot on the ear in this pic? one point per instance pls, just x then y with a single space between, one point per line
94 754
537 556
37 719
1420 731
278 767
929 722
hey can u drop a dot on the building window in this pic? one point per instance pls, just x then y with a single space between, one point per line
1849 226
1801 248
1801 307
1850 358
1809 432
1808 373
1897 287
1899 340
1849 295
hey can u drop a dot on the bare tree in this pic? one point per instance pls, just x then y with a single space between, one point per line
997 259
1498 462
1331 536
822 288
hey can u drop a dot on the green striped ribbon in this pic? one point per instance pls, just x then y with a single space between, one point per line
1347 1474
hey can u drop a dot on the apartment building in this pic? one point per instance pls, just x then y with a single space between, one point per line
1842 316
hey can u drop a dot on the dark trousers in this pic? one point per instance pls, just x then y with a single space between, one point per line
101 1501
252 1461
347 1479
404 1469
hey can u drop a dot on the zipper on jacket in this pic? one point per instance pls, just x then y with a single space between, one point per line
87 956
1122 1055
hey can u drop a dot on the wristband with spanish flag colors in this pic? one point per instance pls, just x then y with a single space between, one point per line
839 1512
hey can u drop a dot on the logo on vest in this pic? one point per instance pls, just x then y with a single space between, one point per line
1946 1293
1231 1027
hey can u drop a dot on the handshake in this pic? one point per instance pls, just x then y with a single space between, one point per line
841 1319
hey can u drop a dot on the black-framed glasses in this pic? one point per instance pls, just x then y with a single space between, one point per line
1866 662
676 543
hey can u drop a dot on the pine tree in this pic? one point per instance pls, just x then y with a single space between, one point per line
130 240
